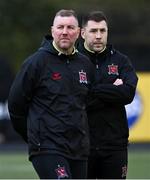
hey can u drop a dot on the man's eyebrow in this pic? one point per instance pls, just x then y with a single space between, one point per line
103 28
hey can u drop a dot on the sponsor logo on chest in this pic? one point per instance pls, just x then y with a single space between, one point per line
56 76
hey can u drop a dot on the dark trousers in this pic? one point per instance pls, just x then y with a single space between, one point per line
107 164
50 166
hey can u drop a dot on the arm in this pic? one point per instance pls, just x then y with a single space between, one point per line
122 90
19 98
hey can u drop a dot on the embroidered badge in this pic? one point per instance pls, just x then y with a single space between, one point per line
82 77
124 171
113 69
56 76
61 172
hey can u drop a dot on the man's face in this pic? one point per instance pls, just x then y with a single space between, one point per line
95 35
65 32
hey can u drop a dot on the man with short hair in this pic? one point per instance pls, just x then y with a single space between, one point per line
47 103
116 85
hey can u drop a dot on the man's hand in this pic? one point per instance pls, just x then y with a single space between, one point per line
118 82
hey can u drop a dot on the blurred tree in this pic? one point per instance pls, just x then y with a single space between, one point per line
22 25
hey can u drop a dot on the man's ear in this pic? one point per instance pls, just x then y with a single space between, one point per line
51 30
78 32
83 33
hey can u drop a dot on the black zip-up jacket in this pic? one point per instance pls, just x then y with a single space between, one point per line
106 113
47 102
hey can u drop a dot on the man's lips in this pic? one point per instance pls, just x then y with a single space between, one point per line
97 43
64 39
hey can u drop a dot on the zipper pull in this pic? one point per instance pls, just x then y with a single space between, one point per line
68 61
39 148
96 61
97 67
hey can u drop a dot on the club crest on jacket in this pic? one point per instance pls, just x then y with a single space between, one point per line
82 77
113 69
61 172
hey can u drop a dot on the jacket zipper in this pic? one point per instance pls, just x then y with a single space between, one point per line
96 61
72 78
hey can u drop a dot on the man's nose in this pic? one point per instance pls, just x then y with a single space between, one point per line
64 30
98 34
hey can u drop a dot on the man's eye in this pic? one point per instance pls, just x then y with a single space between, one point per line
60 27
103 30
93 30
71 27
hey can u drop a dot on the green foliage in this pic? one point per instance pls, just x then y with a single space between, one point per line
23 24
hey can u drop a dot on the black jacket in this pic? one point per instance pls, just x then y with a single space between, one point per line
47 102
106 113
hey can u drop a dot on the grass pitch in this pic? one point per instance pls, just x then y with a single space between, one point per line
16 165
139 164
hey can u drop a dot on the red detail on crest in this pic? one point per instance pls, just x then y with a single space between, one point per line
56 76
113 69
61 172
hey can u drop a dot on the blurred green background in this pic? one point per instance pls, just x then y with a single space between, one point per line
23 25
24 22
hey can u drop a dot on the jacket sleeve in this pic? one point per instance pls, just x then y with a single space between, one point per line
122 94
19 98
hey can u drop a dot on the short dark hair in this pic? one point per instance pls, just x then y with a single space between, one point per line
66 12
94 16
